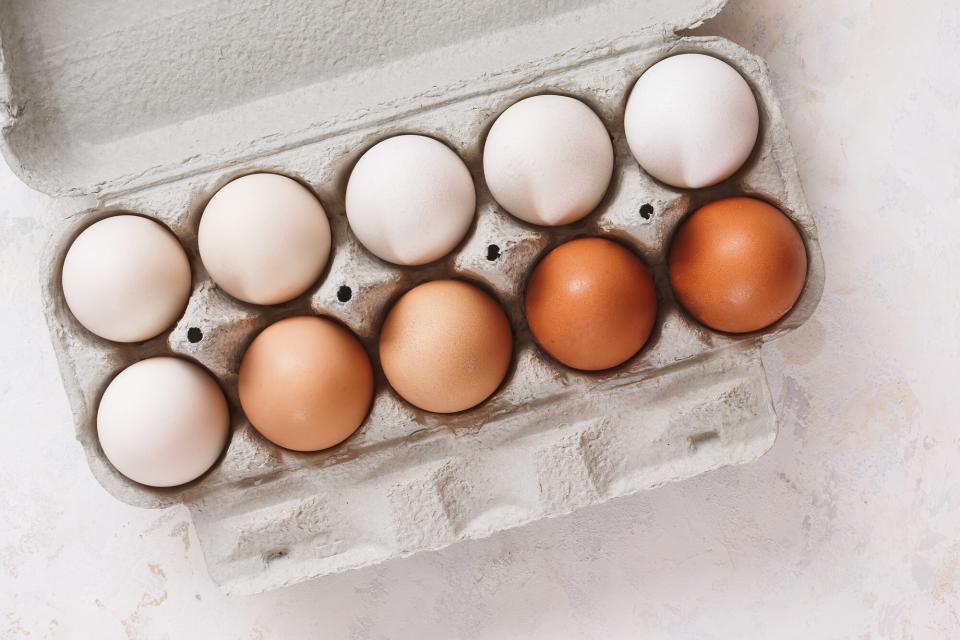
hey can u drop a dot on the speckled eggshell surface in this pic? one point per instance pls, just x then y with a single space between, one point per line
305 383
163 421
126 278
548 160
691 120
445 346
264 238
591 304
410 199
737 265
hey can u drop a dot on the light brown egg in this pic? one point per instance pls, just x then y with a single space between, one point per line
445 346
591 304
737 265
306 383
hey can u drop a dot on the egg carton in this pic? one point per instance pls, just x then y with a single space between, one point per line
551 439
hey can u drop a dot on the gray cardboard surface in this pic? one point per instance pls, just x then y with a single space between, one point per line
101 96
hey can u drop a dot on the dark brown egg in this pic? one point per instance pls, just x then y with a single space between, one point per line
591 304
737 265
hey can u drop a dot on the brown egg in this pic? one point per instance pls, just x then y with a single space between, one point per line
737 265
445 346
305 383
591 304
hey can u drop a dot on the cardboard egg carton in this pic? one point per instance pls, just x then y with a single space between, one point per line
551 439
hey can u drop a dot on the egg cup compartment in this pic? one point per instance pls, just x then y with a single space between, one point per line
550 440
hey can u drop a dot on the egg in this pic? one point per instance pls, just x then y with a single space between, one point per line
410 200
126 278
691 120
737 265
163 421
305 383
591 304
548 160
264 238
445 346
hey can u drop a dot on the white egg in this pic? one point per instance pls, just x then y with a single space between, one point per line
548 160
691 121
410 200
264 238
126 278
163 421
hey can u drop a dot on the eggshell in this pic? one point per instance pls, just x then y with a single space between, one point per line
445 346
591 304
163 421
737 265
305 383
264 238
691 120
126 278
410 200
548 160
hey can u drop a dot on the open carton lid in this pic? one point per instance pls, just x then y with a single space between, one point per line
104 97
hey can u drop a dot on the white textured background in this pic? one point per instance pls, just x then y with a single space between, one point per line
848 528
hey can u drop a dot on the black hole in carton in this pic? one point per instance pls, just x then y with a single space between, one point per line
493 252
344 293
194 335
646 211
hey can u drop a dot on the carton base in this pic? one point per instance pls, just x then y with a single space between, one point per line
692 418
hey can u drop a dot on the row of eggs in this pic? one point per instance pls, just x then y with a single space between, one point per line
691 121
306 383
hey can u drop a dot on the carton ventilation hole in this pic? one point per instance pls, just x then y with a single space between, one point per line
646 211
194 335
344 293
493 252
275 555
701 439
